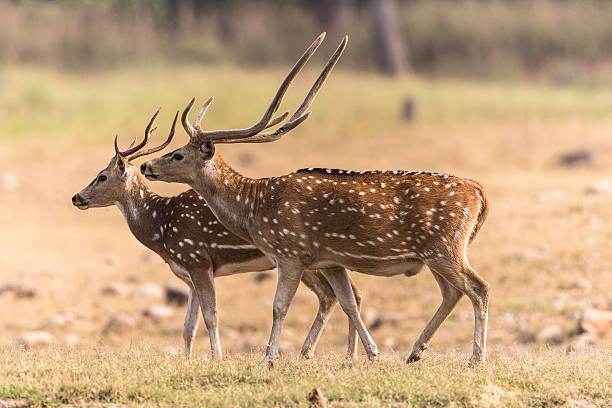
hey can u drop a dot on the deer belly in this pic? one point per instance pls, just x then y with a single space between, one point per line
260 263
408 267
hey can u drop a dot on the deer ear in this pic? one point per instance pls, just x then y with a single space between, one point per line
120 162
207 149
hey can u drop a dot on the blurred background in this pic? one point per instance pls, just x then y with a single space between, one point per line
515 94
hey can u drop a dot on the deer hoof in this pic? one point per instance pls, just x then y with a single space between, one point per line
413 358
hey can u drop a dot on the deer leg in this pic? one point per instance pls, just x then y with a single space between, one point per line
192 318
316 282
450 297
464 278
204 286
352 331
339 280
288 281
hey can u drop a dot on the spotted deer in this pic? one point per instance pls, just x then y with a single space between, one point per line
183 231
382 223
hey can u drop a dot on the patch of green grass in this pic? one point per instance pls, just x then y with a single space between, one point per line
150 377
64 107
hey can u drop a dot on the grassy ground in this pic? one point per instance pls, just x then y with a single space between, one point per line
545 237
147 377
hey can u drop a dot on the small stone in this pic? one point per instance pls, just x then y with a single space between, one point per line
35 339
581 341
285 347
116 289
61 319
10 182
317 398
254 345
550 195
551 335
149 290
598 187
384 319
579 157
368 315
388 342
581 283
19 289
530 254
177 293
265 275
71 339
111 259
157 313
14 404
119 323
595 322
150 256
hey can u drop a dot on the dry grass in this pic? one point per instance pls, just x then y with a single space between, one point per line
57 133
148 377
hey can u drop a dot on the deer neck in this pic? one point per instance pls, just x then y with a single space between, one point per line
231 196
144 212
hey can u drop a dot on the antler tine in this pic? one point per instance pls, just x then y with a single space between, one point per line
271 136
197 123
161 146
298 116
222 135
191 131
312 94
133 142
117 152
140 145
277 120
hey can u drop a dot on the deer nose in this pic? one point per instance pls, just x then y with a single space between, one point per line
75 198
143 168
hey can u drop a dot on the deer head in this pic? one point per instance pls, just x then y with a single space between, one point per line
113 183
184 165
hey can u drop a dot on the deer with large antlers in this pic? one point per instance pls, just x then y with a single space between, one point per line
381 223
183 231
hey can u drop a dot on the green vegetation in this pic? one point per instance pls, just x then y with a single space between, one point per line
143 376
567 41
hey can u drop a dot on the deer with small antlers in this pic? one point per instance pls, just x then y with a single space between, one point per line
185 233
382 223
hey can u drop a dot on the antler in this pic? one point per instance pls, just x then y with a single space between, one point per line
140 145
298 116
243 135
161 146
133 152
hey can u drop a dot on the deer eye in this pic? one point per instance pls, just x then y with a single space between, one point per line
177 156
101 178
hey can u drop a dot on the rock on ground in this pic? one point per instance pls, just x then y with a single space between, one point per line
598 187
157 313
19 289
149 290
265 275
384 319
119 323
317 398
61 319
35 339
177 293
551 335
116 289
71 339
595 322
